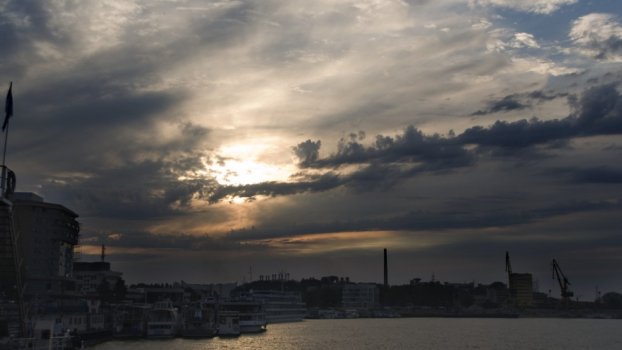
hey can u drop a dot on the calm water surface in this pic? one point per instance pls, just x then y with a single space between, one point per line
410 333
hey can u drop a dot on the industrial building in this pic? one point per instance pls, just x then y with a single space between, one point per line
361 296
520 286
521 289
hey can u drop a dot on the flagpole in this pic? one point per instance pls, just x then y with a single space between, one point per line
9 112
6 138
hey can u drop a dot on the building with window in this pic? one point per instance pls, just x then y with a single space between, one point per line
361 296
48 233
90 275
521 289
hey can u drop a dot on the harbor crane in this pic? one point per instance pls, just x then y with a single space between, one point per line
562 280
508 269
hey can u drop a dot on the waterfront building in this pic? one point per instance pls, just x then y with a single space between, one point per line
521 289
361 296
12 320
151 294
280 306
213 290
90 275
497 293
48 233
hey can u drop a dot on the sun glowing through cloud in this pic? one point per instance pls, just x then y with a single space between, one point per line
248 163
238 200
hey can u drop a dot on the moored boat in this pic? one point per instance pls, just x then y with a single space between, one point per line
162 321
228 323
252 318
129 321
199 320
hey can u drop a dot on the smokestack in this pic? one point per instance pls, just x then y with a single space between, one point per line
386 270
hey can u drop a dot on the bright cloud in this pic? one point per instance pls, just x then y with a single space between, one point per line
525 40
536 6
598 35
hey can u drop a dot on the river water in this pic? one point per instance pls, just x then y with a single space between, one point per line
410 333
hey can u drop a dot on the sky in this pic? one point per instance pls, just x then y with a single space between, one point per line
215 141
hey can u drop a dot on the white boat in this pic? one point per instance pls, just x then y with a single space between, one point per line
252 318
129 321
199 320
228 324
162 321
281 306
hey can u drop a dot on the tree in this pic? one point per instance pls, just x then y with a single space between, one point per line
612 300
104 292
119 290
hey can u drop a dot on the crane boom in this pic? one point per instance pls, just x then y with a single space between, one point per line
508 269
562 280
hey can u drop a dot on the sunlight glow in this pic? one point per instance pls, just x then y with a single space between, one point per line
237 200
246 164
349 240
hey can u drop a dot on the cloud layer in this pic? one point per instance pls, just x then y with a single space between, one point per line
276 133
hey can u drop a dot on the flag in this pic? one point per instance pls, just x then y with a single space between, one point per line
8 107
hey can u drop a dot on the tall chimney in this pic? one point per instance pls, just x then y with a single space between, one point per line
386 270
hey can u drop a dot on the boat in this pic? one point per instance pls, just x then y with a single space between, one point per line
280 306
252 318
162 320
199 320
47 334
228 323
129 321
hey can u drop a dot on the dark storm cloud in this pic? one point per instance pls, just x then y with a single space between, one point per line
138 189
598 112
412 146
120 175
100 111
312 183
114 193
101 97
20 23
515 102
391 159
149 241
307 152
598 174
93 110
373 176
370 177
519 134
466 218
508 103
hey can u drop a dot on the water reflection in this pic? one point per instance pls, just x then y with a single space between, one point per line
420 333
